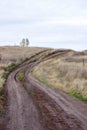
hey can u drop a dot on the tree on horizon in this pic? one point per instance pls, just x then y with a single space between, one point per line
24 42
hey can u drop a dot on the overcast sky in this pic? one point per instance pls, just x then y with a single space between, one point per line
52 23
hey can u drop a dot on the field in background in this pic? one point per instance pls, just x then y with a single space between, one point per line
14 55
9 55
68 73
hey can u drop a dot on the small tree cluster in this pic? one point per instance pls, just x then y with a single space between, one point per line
24 42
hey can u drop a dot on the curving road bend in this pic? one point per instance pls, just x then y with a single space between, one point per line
33 106
23 114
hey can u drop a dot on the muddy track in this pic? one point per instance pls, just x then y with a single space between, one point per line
33 106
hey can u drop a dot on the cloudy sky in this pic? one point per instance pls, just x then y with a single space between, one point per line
52 23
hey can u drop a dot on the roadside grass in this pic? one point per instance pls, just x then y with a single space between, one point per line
2 81
11 68
20 76
2 98
8 70
44 81
77 95
70 77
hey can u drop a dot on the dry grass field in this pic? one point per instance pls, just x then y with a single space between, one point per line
68 73
15 54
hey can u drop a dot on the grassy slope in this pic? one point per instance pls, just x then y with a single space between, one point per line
16 54
67 73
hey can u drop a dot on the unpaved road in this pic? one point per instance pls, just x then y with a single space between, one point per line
33 106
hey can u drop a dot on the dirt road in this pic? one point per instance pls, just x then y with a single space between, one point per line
33 106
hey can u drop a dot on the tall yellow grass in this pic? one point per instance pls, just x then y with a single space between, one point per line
67 76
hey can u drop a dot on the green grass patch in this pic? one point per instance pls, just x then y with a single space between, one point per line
77 95
5 75
20 76
11 68
8 70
